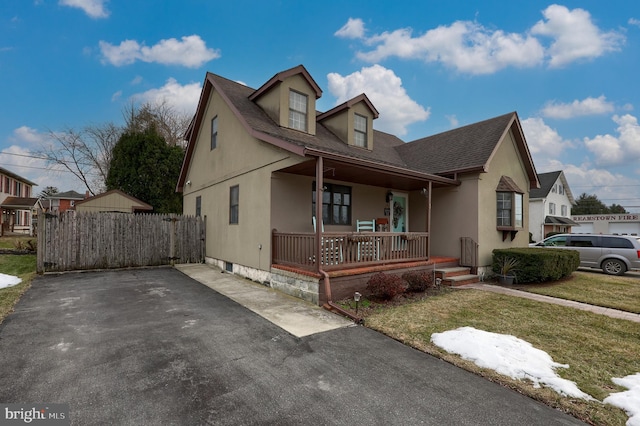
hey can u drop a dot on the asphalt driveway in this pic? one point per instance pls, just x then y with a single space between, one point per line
152 346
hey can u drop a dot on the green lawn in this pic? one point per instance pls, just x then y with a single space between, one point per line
595 288
597 348
23 266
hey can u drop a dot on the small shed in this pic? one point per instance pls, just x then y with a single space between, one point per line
113 201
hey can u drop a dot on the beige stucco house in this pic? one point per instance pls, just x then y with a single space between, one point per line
113 201
262 164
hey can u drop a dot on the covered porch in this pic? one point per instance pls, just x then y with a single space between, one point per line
347 193
18 215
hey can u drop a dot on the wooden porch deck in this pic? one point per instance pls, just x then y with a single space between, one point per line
341 251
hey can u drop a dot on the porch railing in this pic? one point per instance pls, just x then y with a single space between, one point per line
348 250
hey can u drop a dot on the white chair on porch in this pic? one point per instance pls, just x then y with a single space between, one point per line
368 249
331 248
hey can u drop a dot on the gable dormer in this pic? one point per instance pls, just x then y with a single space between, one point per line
289 98
352 121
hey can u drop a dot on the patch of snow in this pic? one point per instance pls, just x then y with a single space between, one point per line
9 280
628 400
509 356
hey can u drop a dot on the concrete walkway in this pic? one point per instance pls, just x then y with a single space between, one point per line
301 318
294 315
613 313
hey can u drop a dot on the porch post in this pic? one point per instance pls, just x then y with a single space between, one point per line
318 213
429 220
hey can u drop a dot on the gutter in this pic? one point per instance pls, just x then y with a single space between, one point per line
330 306
380 166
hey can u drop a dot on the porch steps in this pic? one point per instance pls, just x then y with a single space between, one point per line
456 276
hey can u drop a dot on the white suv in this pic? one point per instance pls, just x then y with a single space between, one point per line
614 254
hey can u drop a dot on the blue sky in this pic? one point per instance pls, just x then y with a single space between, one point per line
569 69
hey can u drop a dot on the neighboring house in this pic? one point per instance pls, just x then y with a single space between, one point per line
18 205
550 206
113 201
262 164
62 201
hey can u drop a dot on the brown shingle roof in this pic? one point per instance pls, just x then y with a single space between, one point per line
468 148
324 139
465 148
19 202
507 184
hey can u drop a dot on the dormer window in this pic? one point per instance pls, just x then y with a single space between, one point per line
360 130
297 111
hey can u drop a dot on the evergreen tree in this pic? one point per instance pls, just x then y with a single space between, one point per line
49 190
617 208
590 204
144 166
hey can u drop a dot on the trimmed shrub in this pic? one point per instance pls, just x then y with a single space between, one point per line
385 286
418 281
536 265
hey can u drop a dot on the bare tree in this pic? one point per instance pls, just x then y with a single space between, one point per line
170 124
85 153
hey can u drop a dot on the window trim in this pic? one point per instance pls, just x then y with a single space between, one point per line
294 111
516 212
214 133
234 205
333 189
357 131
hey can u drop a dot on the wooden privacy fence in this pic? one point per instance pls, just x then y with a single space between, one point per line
93 240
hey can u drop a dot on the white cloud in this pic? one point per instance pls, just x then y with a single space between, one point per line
20 159
384 89
623 148
634 21
453 121
117 95
471 48
182 98
191 51
93 8
465 46
543 141
588 106
575 35
354 28
26 135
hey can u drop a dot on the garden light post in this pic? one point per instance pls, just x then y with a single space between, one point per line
356 297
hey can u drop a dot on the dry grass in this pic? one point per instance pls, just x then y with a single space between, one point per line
596 347
595 288
23 266
13 241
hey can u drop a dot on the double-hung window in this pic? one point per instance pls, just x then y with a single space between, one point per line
510 214
360 130
297 111
336 204
552 208
214 132
234 204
